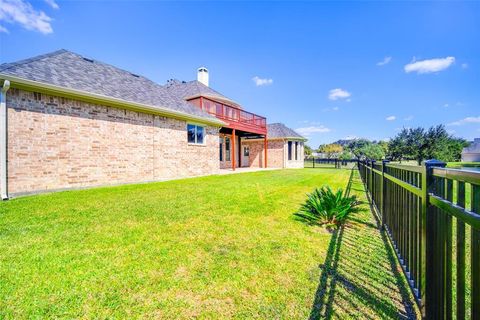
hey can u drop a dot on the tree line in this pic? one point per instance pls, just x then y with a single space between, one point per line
409 144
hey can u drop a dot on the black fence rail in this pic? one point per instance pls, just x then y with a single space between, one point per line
316 162
432 217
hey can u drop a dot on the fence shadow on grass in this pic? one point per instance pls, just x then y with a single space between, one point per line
360 277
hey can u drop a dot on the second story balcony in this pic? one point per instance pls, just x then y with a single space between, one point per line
235 118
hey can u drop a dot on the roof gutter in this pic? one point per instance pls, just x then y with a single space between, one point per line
3 140
29 85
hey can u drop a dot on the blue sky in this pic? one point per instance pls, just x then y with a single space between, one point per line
331 70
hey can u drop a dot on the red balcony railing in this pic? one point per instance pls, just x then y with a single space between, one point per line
235 118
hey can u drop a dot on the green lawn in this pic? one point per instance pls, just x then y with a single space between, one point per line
212 247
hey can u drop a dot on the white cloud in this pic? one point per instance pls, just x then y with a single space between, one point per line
262 81
409 118
464 65
3 29
430 65
335 108
52 4
385 61
390 118
338 93
466 120
307 131
22 12
446 105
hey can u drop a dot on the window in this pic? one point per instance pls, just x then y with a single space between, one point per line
246 151
195 134
227 148
221 149
296 150
289 150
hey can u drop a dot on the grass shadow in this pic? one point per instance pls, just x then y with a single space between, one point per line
360 276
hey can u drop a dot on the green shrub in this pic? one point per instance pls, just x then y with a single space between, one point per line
325 207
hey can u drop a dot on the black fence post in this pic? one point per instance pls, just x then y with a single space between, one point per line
313 161
373 185
384 193
433 253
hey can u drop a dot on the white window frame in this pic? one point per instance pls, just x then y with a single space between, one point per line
204 134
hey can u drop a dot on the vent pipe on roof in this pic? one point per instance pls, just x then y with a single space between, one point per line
202 75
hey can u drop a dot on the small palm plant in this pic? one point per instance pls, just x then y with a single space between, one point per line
325 207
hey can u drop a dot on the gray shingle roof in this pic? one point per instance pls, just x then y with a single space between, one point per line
279 130
70 70
183 90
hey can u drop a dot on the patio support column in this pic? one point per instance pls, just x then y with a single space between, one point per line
265 147
233 149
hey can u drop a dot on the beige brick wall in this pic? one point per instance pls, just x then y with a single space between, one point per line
257 155
56 143
277 154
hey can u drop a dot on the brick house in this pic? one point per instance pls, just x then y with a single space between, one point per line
67 121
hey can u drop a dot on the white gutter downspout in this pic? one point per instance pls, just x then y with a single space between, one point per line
3 140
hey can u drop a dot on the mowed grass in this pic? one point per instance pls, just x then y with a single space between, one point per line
212 247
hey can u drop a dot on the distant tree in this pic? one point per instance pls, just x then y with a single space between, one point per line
331 149
308 150
372 151
443 146
417 144
356 146
420 144
398 145
346 155
384 145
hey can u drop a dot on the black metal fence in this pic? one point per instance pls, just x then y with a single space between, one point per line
432 217
316 162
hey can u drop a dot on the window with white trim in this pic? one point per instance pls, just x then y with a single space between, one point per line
195 134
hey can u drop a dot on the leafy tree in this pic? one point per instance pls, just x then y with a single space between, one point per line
397 146
384 145
416 144
420 144
331 149
346 155
441 145
356 146
372 151
308 150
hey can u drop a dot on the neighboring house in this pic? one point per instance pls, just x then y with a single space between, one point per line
472 152
67 121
